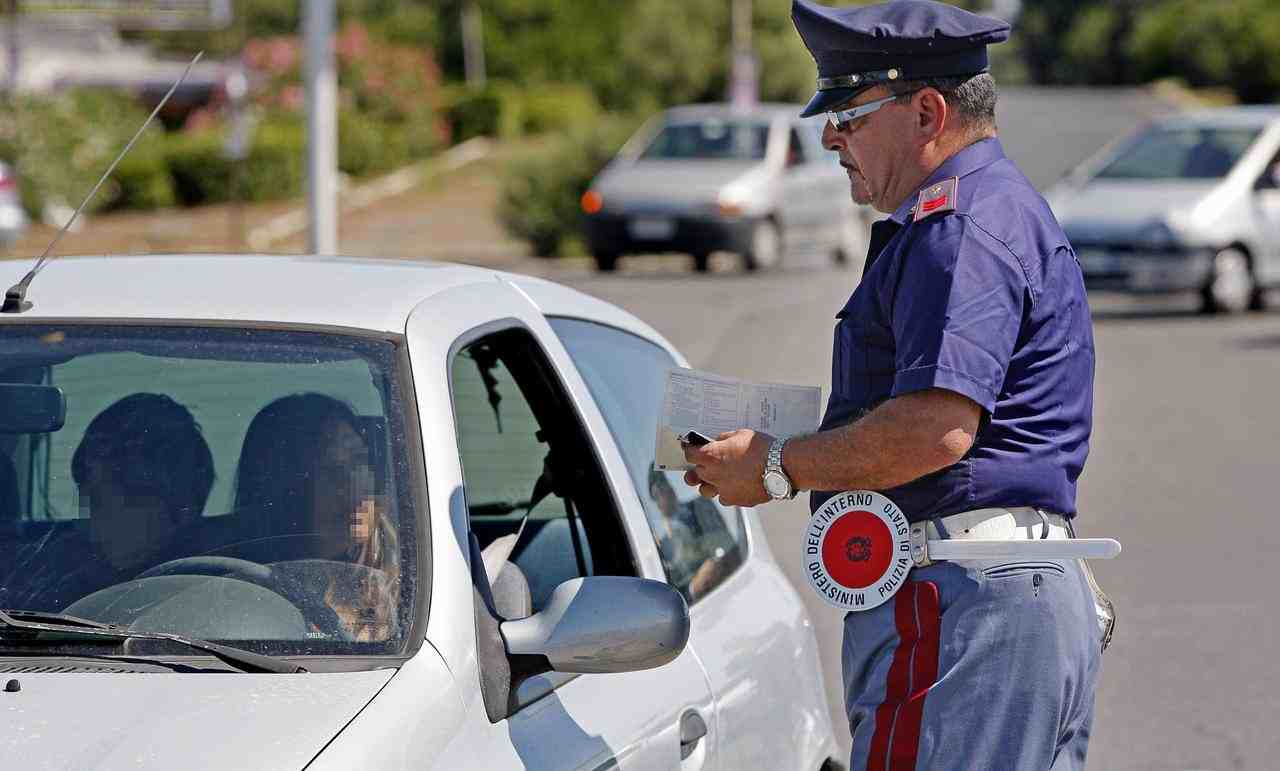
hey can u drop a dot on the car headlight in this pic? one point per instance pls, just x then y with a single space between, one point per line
732 202
1157 237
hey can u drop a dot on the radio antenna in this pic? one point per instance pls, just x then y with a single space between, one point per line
15 300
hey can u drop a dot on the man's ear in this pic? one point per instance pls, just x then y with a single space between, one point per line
931 115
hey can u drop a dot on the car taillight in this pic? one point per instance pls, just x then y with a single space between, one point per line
7 181
592 202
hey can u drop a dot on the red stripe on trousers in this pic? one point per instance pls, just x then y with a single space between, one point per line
914 669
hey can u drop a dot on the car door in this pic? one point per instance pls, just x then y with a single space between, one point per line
801 189
749 628
500 385
1266 206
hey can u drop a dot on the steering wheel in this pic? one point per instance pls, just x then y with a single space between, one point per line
314 609
277 548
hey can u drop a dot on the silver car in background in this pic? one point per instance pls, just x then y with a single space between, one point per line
13 219
706 178
1189 203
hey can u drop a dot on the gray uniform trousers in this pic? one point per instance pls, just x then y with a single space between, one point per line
975 666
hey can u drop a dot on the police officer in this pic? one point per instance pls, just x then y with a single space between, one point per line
962 389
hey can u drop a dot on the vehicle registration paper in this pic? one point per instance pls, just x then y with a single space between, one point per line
712 404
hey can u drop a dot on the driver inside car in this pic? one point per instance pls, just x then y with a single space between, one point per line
305 471
143 471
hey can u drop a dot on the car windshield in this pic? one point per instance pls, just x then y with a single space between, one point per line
1180 153
709 139
242 485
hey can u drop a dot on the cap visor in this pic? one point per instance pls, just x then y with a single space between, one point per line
823 101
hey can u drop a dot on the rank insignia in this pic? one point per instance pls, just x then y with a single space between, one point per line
937 198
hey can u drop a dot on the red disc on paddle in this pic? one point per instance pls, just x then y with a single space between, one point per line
856 549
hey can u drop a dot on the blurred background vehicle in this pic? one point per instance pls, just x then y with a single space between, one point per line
1190 203
13 219
706 178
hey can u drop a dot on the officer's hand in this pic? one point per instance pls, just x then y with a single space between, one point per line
731 467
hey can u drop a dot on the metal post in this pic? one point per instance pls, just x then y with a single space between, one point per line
473 44
743 86
15 57
322 128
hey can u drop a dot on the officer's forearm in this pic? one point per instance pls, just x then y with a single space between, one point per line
901 440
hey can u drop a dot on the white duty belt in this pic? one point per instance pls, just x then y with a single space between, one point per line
859 547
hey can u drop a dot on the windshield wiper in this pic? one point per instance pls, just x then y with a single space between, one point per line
245 661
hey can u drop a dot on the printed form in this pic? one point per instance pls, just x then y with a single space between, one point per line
712 404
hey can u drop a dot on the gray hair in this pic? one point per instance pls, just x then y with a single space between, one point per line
973 98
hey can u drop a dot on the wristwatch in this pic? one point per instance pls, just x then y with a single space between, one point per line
776 482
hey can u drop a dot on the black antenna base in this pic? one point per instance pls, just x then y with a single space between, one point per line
15 300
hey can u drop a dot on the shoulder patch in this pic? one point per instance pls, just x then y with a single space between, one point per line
937 198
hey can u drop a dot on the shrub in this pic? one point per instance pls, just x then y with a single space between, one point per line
541 189
61 144
274 168
553 107
474 112
142 181
502 109
366 146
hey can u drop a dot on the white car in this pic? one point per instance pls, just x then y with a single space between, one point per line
710 177
287 513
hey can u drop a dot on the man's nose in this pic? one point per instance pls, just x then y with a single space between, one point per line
832 139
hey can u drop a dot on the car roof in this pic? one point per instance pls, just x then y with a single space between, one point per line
1252 116
367 294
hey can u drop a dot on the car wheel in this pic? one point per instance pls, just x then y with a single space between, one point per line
765 250
606 262
1231 288
701 261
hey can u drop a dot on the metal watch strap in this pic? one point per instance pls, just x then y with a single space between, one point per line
774 463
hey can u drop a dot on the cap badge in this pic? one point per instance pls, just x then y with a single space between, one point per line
857 551
937 198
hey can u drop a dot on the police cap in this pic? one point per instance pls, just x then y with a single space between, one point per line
858 47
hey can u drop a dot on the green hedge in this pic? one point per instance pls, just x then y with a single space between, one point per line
541 189
142 181
274 169
503 109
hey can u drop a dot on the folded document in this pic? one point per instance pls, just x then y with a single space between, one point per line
712 404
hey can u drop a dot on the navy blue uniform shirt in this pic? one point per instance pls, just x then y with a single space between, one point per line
986 300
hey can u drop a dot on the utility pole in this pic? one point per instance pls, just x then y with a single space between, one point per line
15 57
322 128
743 84
473 44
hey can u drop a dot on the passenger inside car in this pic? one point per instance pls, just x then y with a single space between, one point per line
143 471
305 472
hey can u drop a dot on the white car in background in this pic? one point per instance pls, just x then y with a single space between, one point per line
710 177
509 584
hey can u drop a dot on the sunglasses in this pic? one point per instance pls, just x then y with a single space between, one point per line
840 119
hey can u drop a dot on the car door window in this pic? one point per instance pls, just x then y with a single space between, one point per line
796 152
701 542
530 467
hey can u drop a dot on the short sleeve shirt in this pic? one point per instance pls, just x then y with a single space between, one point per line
984 298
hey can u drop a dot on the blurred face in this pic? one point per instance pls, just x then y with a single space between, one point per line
342 480
125 526
876 150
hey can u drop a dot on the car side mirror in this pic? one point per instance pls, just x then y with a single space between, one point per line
31 409
604 624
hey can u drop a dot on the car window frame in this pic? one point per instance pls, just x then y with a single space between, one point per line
746 539
526 690
416 487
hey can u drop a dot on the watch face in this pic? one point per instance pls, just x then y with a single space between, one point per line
776 485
